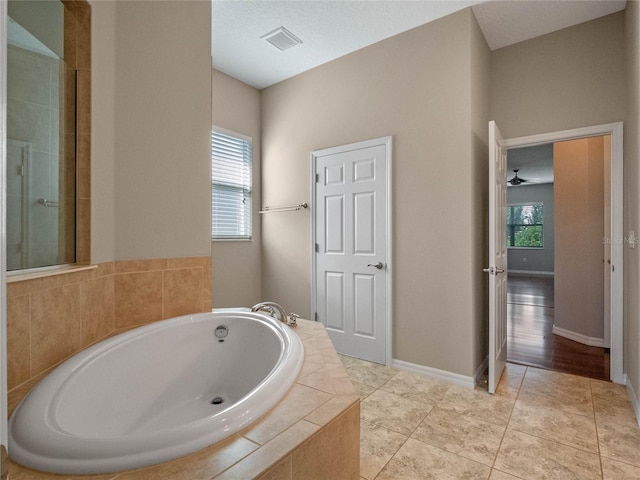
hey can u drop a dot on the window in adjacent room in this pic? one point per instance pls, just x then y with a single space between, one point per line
525 226
231 156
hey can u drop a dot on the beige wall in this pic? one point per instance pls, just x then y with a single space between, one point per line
417 87
567 79
238 264
578 77
480 105
632 196
103 85
162 118
151 130
578 170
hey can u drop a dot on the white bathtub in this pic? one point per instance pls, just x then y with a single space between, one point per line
145 396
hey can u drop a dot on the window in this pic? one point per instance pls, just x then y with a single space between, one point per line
231 156
524 226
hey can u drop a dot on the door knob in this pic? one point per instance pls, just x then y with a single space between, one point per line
493 271
378 265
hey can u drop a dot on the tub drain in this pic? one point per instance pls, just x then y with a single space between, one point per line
217 401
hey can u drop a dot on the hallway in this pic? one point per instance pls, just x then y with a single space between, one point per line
530 312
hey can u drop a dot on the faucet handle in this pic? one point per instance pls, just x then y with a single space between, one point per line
293 317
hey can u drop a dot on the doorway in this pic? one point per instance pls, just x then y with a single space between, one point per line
613 239
557 209
351 235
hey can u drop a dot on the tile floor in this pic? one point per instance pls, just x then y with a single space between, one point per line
539 425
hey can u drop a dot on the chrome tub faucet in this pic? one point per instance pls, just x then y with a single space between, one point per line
277 312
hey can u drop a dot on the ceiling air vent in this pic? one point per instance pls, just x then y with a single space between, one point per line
282 39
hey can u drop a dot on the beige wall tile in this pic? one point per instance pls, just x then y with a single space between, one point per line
69 102
138 298
18 341
83 106
83 235
18 472
129 266
187 262
299 402
182 291
332 453
331 409
97 308
282 471
104 269
203 464
84 36
207 281
271 453
193 262
83 163
55 326
25 287
70 36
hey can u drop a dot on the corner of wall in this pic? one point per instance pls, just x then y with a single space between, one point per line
480 67
632 194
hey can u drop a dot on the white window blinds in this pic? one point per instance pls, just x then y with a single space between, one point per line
230 186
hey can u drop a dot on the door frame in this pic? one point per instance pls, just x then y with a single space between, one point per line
617 223
4 466
388 272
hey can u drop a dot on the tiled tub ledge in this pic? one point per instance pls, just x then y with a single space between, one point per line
312 434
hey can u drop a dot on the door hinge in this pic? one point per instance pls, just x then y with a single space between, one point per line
315 316
317 177
317 248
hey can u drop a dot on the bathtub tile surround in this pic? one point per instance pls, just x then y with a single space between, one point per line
51 318
312 434
445 444
539 425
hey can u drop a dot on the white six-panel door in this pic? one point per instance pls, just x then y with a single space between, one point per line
351 251
497 256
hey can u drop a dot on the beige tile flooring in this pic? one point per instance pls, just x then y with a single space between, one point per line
539 425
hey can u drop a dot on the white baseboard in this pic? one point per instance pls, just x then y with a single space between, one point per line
430 372
578 337
533 273
635 401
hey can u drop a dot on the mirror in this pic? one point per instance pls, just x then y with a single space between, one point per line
41 136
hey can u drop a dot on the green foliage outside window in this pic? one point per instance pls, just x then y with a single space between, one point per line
525 226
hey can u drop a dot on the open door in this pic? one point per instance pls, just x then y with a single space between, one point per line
4 460
497 256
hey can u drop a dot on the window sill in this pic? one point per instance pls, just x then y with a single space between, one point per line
33 273
231 240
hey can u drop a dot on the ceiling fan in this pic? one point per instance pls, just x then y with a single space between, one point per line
516 180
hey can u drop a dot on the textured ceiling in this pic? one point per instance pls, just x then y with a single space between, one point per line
328 30
332 28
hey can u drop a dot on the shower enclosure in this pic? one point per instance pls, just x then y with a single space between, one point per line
41 139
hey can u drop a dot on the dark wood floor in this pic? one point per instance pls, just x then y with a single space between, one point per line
530 340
